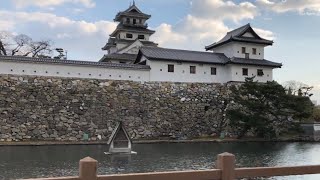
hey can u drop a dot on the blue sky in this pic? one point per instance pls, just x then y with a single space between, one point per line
82 27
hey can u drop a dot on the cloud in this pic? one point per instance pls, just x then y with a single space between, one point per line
50 3
265 33
165 34
223 10
191 33
206 24
82 39
303 7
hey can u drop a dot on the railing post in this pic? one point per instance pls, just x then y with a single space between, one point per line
226 162
88 169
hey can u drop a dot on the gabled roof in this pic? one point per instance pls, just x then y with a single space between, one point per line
116 130
115 56
138 29
156 53
162 54
146 43
132 11
111 43
237 35
136 43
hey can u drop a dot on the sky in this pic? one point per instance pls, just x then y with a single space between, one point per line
82 27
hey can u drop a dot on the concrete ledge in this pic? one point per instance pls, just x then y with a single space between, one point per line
207 140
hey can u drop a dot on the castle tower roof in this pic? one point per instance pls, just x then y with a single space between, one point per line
133 11
238 36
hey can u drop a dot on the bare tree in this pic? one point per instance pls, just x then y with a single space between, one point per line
39 48
297 88
4 38
23 45
21 42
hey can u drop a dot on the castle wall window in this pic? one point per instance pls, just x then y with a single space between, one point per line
245 71
260 72
243 50
213 71
128 20
170 68
254 50
192 69
140 36
128 35
134 21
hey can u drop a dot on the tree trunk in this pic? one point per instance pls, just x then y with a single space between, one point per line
2 49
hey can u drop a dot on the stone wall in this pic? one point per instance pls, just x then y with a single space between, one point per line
42 108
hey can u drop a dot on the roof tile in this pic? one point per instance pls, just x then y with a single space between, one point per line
22 59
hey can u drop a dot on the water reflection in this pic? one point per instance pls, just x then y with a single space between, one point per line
48 161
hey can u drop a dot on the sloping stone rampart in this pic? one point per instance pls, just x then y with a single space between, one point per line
56 109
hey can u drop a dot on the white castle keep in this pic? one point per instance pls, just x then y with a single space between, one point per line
132 56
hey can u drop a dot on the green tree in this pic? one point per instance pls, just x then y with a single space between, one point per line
266 109
316 114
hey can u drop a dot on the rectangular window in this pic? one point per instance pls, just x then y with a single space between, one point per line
243 50
128 20
254 51
170 68
247 55
140 36
128 35
245 71
192 69
260 72
134 21
213 71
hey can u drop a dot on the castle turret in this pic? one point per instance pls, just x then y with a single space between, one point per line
131 33
242 42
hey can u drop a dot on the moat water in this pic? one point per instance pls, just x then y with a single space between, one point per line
47 161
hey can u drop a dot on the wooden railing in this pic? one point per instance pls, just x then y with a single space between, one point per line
225 171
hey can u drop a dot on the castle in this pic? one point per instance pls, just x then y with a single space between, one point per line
132 56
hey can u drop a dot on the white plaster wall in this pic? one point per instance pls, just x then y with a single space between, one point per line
247 34
121 45
236 73
227 49
72 71
159 72
134 36
133 48
234 49
238 50
112 50
124 20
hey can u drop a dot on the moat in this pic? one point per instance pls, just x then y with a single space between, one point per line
47 161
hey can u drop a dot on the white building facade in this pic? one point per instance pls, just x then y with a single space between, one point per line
132 57
14 65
